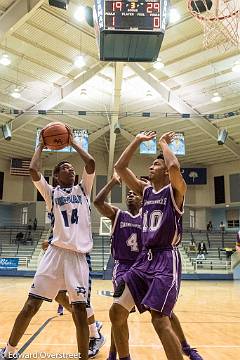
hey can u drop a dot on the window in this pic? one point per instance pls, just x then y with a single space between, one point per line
232 216
233 223
192 219
24 216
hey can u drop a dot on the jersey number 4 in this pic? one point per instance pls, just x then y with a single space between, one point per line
132 242
74 217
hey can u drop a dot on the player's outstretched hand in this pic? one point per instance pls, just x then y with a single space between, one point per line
71 140
116 178
41 141
238 248
167 137
146 136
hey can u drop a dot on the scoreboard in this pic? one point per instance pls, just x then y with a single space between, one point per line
130 30
132 15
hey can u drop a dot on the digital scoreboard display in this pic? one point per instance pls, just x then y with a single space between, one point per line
130 30
133 15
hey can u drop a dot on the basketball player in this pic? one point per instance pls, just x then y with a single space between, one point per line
126 245
96 338
64 265
126 235
153 281
238 242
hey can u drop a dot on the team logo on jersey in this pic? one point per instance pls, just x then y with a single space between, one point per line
80 290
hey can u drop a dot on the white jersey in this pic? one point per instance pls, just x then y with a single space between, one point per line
70 213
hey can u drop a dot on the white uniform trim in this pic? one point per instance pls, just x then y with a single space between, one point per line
115 221
174 202
71 228
61 269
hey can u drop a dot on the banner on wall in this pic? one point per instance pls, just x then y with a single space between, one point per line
9 263
195 176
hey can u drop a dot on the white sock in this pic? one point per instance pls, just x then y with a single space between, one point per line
93 332
9 350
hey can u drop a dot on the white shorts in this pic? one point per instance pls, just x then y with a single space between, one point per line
61 269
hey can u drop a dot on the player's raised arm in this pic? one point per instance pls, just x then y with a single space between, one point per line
35 162
178 184
100 203
85 156
238 242
121 165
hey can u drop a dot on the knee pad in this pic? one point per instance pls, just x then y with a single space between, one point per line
119 290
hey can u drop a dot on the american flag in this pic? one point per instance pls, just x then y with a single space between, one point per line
20 167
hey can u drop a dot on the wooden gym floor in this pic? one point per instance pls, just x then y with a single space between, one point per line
209 313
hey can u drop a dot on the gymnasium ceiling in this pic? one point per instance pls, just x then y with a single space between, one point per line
42 43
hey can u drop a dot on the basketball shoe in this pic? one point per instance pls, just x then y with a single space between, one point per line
2 353
60 310
99 325
95 344
191 353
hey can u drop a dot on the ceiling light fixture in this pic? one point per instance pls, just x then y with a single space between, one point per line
216 97
174 15
5 60
16 93
236 67
79 61
149 94
158 64
83 92
80 14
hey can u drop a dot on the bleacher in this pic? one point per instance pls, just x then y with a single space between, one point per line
217 259
100 253
23 250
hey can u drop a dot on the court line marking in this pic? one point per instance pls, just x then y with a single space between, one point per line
134 345
29 341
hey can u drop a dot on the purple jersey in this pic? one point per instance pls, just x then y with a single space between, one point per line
126 237
161 219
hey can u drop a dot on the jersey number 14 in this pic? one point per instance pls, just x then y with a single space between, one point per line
74 217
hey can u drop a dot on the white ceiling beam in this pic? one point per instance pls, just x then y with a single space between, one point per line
59 94
177 104
127 135
95 135
17 15
118 77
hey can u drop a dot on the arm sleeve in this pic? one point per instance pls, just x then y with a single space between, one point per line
87 182
45 190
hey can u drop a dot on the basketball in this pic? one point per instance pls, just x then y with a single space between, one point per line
55 136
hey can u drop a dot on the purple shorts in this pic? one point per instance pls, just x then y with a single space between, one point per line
154 284
119 270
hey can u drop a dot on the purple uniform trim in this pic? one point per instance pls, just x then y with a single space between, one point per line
126 237
154 284
154 279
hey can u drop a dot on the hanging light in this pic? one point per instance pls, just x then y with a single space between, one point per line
174 15
79 14
158 64
236 67
216 97
79 61
5 60
16 93
149 95
83 92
